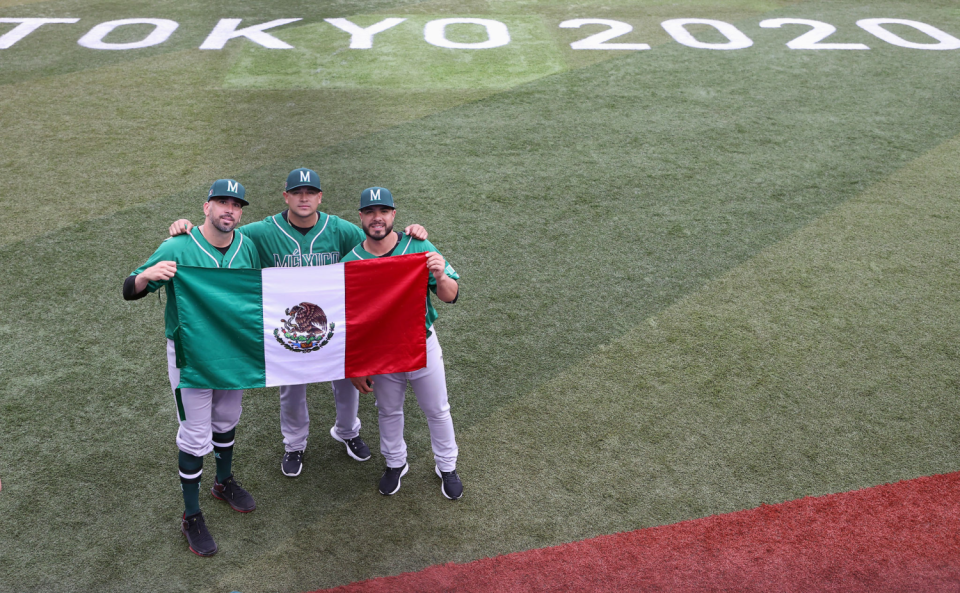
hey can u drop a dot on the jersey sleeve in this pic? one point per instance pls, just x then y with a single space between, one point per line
165 252
252 254
254 230
258 232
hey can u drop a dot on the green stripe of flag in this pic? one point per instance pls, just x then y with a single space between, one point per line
219 352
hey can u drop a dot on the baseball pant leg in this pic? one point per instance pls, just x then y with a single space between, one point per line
430 386
389 391
226 410
194 409
294 417
347 399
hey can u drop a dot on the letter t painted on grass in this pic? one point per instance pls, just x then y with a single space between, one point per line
25 27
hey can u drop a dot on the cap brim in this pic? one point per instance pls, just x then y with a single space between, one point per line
241 200
303 185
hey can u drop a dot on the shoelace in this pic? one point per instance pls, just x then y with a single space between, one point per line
231 485
195 525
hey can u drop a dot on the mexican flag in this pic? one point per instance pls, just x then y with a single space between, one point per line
242 328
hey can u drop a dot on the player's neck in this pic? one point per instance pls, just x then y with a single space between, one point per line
380 246
215 236
304 222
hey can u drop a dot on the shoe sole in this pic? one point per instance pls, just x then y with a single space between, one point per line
406 468
443 491
202 555
214 494
333 433
299 469
189 547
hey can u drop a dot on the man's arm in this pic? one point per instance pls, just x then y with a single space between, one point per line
447 287
363 384
183 226
416 231
180 227
137 287
130 289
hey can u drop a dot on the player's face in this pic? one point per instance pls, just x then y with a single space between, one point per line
303 201
377 221
223 213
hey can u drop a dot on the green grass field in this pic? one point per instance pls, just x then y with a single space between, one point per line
693 281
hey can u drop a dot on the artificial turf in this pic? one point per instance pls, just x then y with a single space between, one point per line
693 282
894 537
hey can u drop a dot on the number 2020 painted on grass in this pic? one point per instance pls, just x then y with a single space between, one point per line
812 39
435 33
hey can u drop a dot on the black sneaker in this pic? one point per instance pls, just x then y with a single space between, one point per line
231 491
198 538
450 486
390 480
356 448
292 463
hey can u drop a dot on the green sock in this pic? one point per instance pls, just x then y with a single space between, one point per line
223 453
191 468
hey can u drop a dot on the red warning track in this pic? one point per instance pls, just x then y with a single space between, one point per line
895 537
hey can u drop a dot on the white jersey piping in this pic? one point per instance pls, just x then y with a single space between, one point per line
239 245
323 228
274 219
354 251
204 250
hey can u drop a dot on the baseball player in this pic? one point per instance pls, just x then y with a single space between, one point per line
208 417
377 212
303 236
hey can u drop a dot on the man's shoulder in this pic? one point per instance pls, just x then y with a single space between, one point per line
174 245
335 222
351 256
247 245
258 227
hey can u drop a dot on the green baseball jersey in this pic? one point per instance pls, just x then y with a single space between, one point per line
193 250
405 246
282 246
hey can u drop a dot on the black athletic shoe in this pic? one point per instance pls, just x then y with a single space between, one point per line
356 448
390 480
292 463
450 485
230 491
198 538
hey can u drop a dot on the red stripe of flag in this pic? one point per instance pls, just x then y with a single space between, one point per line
386 305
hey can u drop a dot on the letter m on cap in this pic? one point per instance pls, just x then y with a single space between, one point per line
304 175
375 194
232 186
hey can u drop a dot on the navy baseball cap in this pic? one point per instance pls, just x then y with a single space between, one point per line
227 188
376 196
302 178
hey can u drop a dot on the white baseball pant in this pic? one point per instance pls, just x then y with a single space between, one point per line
430 386
201 412
295 419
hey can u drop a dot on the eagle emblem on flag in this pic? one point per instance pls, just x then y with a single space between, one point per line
305 329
